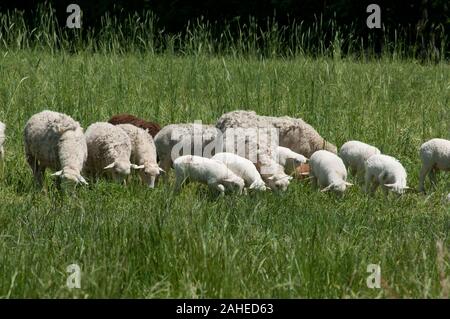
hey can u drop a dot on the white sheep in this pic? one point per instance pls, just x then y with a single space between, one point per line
354 154
328 171
176 140
294 133
2 139
143 152
243 168
56 141
272 173
386 171
109 150
448 198
289 159
435 156
205 170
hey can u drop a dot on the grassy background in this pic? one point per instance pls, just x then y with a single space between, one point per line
135 242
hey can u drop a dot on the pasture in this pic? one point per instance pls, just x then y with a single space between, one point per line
136 242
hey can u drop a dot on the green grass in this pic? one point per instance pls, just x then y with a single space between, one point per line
135 242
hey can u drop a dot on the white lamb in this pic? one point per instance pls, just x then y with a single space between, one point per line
329 171
386 171
435 156
272 173
354 154
205 170
143 152
2 139
109 150
289 159
176 140
294 133
243 168
56 141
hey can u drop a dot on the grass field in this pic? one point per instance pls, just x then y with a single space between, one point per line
135 242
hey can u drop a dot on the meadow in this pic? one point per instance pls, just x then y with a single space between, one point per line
133 242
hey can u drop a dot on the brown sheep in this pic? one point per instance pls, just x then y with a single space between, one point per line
302 171
151 127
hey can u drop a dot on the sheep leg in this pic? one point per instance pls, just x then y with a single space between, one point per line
423 173
166 165
179 179
432 177
38 171
314 182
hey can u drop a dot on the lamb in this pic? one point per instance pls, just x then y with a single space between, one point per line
187 139
294 133
243 168
386 171
328 170
289 159
354 155
435 156
2 140
205 170
56 141
143 152
151 127
272 173
109 150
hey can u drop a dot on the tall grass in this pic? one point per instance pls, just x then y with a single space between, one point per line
238 37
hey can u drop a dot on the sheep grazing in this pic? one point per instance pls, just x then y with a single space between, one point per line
205 170
386 171
294 133
435 156
289 159
143 152
56 141
151 127
328 170
272 173
176 140
243 168
2 139
109 151
354 154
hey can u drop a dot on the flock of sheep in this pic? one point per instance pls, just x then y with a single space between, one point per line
125 143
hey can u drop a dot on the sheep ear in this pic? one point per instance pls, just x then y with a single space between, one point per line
348 184
252 186
389 185
290 178
134 166
58 173
109 166
82 180
161 170
326 189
